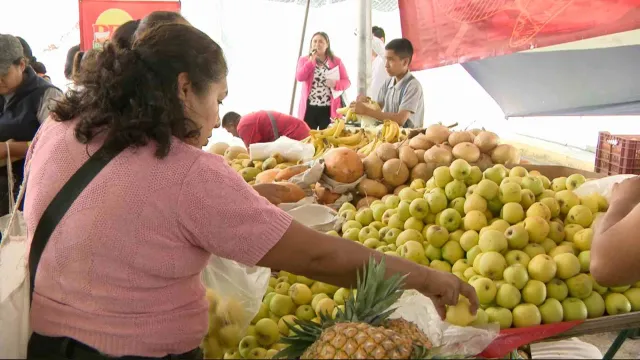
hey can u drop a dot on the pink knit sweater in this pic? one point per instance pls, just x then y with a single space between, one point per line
121 272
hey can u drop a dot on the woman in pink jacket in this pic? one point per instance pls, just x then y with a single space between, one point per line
317 104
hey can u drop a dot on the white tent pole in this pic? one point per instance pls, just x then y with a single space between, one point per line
364 45
304 30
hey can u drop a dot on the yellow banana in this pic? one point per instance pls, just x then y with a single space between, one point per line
340 125
391 135
343 111
347 140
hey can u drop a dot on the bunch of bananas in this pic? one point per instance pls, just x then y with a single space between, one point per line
337 135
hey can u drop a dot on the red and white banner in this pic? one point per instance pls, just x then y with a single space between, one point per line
100 18
445 32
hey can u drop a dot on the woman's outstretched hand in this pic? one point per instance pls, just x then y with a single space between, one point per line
444 289
272 192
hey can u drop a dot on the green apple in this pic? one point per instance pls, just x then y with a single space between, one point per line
475 202
352 234
597 287
346 206
574 309
548 245
372 243
396 222
511 180
517 237
413 250
485 289
470 190
368 232
542 268
332 233
475 176
487 189
409 194
492 265
561 249
537 227
378 211
437 236
456 235
460 169
539 209
591 201
378 225
517 257
460 314
501 316
559 184
493 240
595 305
247 344
534 184
418 184
473 253
512 213
494 174
469 239
392 201
452 252
460 266
556 232
568 265
474 220
551 311
619 289
458 205
617 303
391 235
518 171
419 208
470 272
437 202
403 210
527 198
387 215
351 224
459 275
571 230
348 215
574 181
552 204
633 295
481 318
442 176
441 265
557 289
534 292
580 215
582 239
508 296
525 315
516 275
455 189
567 199
433 253
546 194
414 224
580 286
510 192
476 262
364 216
450 219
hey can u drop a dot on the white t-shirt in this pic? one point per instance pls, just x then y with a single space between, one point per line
378 72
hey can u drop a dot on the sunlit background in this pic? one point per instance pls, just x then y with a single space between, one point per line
261 40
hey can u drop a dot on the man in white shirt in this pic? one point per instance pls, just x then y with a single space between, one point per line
378 73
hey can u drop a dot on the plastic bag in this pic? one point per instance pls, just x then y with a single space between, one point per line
448 340
291 150
230 279
601 186
317 217
221 135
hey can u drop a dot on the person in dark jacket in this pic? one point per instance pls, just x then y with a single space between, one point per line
24 104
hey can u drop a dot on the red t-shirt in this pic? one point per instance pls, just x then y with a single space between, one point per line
256 127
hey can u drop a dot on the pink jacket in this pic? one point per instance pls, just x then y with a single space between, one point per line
304 74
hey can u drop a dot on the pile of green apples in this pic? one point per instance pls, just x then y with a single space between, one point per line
520 239
287 298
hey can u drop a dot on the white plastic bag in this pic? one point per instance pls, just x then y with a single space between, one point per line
15 329
447 339
291 150
601 186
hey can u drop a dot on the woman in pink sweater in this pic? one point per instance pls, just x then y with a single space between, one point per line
120 275
317 104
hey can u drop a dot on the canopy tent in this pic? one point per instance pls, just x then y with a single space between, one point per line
602 81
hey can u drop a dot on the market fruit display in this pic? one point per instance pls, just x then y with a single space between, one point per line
521 240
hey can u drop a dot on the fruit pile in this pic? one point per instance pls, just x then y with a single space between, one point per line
226 317
301 317
522 241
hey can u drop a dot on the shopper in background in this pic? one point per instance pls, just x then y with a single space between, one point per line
41 70
68 65
378 72
24 105
264 126
123 36
317 104
123 277
83 61
401 95
614 231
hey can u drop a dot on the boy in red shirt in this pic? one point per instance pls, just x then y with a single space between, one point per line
264 126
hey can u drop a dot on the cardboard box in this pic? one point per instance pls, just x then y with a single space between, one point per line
556 171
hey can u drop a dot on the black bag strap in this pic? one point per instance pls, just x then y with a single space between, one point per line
62 202
276 134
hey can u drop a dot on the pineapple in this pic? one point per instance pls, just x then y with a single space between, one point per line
359 331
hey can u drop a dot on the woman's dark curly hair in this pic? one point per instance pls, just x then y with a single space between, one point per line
132 94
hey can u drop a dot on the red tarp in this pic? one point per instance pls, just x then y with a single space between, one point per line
98 19
445 32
